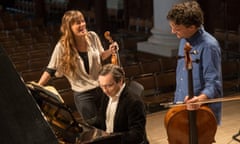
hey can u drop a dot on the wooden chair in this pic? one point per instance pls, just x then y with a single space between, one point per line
38 54
90 17
132 70
148 25
26 41
22 49
149 83
21 35
31 75
38 63
231 75
136 88
61 83
153 102
166 82
43 38
43 46
168 64
32 30
37 22
9 46
166 86
6 37
24 24
150 67
1 26
16 33
2 33
6 16
164 91
19 57
10 25
19 16
132 24
21 66
8 42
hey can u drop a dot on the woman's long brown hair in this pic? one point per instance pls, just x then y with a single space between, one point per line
70 55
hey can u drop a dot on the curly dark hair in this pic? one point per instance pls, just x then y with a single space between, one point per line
187 14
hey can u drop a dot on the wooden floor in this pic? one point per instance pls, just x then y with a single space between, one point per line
230 125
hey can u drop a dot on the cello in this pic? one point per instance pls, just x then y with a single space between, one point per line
115 59
190 126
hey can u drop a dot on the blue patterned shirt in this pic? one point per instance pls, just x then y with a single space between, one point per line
206 70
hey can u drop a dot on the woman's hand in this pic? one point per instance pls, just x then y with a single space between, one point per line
113 47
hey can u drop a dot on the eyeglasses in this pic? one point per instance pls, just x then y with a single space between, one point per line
107 86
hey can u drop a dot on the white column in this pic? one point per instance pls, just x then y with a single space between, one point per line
162 42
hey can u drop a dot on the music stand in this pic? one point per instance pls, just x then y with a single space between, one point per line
57 113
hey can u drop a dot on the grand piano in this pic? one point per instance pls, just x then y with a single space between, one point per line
34 115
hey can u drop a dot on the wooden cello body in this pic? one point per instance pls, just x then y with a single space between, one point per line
190 126
177 125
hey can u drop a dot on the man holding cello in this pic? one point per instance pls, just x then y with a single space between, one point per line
204 79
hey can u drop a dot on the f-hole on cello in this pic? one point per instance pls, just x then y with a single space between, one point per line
190 127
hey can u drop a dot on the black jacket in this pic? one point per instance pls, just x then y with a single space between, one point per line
130 117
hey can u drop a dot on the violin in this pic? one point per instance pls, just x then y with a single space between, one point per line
115 59
190 127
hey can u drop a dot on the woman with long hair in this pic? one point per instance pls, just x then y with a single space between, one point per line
77 56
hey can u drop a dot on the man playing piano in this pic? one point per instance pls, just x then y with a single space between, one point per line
121 111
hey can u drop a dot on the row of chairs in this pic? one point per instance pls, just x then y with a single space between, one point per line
24 6
230 43
158 87
25 23
33 35
140 25
29 48
154 66
157 76
31 64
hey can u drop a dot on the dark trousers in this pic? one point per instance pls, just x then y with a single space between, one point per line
87 103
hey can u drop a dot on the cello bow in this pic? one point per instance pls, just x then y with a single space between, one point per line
229 98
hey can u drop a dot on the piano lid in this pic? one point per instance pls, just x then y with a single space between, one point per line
21 119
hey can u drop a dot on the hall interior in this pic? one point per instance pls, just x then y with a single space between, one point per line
28 39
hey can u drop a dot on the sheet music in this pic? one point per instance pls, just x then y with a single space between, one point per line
49 90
